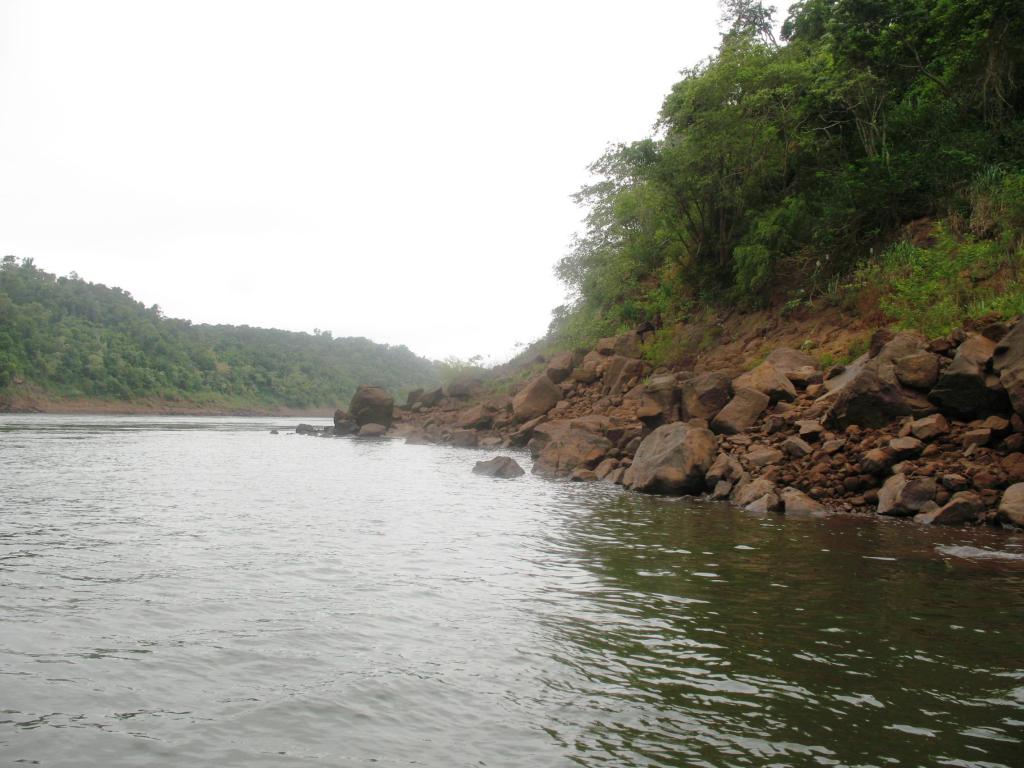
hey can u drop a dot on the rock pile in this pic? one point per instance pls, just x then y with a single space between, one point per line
931 430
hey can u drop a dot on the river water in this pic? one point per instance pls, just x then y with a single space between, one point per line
200 592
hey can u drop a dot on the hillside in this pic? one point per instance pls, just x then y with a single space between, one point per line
788 172
65 340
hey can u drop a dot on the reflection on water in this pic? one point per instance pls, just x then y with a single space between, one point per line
190 591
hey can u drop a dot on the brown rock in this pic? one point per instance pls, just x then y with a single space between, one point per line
536 398
761 456
795 447
725 467
673 459
499 466
978 437
919 370
929 427
877 461
905 448
745 493
1013 466
741 412
464 438
903 497
560 367
966 388
372 430
770 502
581 475
372 405
768 379
795 503
964 507
477 417
1011 506
559 447
702 397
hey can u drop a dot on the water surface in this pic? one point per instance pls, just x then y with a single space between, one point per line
182 591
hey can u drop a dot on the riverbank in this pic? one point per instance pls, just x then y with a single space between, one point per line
859 420
32 401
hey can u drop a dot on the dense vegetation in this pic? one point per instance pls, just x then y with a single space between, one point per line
783 171
70 338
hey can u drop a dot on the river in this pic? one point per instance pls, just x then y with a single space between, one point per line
187 591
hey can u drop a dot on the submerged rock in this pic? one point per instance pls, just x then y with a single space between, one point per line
499 466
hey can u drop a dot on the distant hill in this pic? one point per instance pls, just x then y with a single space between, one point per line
68 338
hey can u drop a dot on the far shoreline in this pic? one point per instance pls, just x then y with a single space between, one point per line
96 407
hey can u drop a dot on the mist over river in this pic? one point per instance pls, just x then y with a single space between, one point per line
186 591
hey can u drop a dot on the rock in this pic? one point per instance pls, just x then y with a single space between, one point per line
464 438
978 437
877 461
1011 507
673 459
929 427
372 430
559 447
966 388
418 437
903 448
432 398
997 425
499 466
810 430
372 405
663 393
833 446
306 429
725 467
745 493
795 503
274 432
1013 465
721 490
760 456
741 413
1008 363
770 502
964 507
919 370
768 379
477 417
414 396
903 497
464 386
619 372
788 361
617 476
626 344
560 367
345 427
536 398
702 397
805 377
797 448
581 475
873 397
605 468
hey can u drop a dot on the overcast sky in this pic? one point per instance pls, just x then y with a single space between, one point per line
395 170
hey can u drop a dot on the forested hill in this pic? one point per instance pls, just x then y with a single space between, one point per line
68 338
785 168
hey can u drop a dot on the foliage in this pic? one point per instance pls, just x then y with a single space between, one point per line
776 166
78 339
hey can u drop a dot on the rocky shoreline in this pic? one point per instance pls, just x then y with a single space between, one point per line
931 430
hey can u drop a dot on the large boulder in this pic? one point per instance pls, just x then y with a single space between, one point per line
1011 508
768 379
536 398
741 413
559 447
560 367
673 459
873 397
626 344
372 405
1008 363
902 496
431 398
479 416
663 393
703 396
464 386
499 466
964 507
968 388
622 372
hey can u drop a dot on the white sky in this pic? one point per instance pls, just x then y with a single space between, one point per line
395 170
